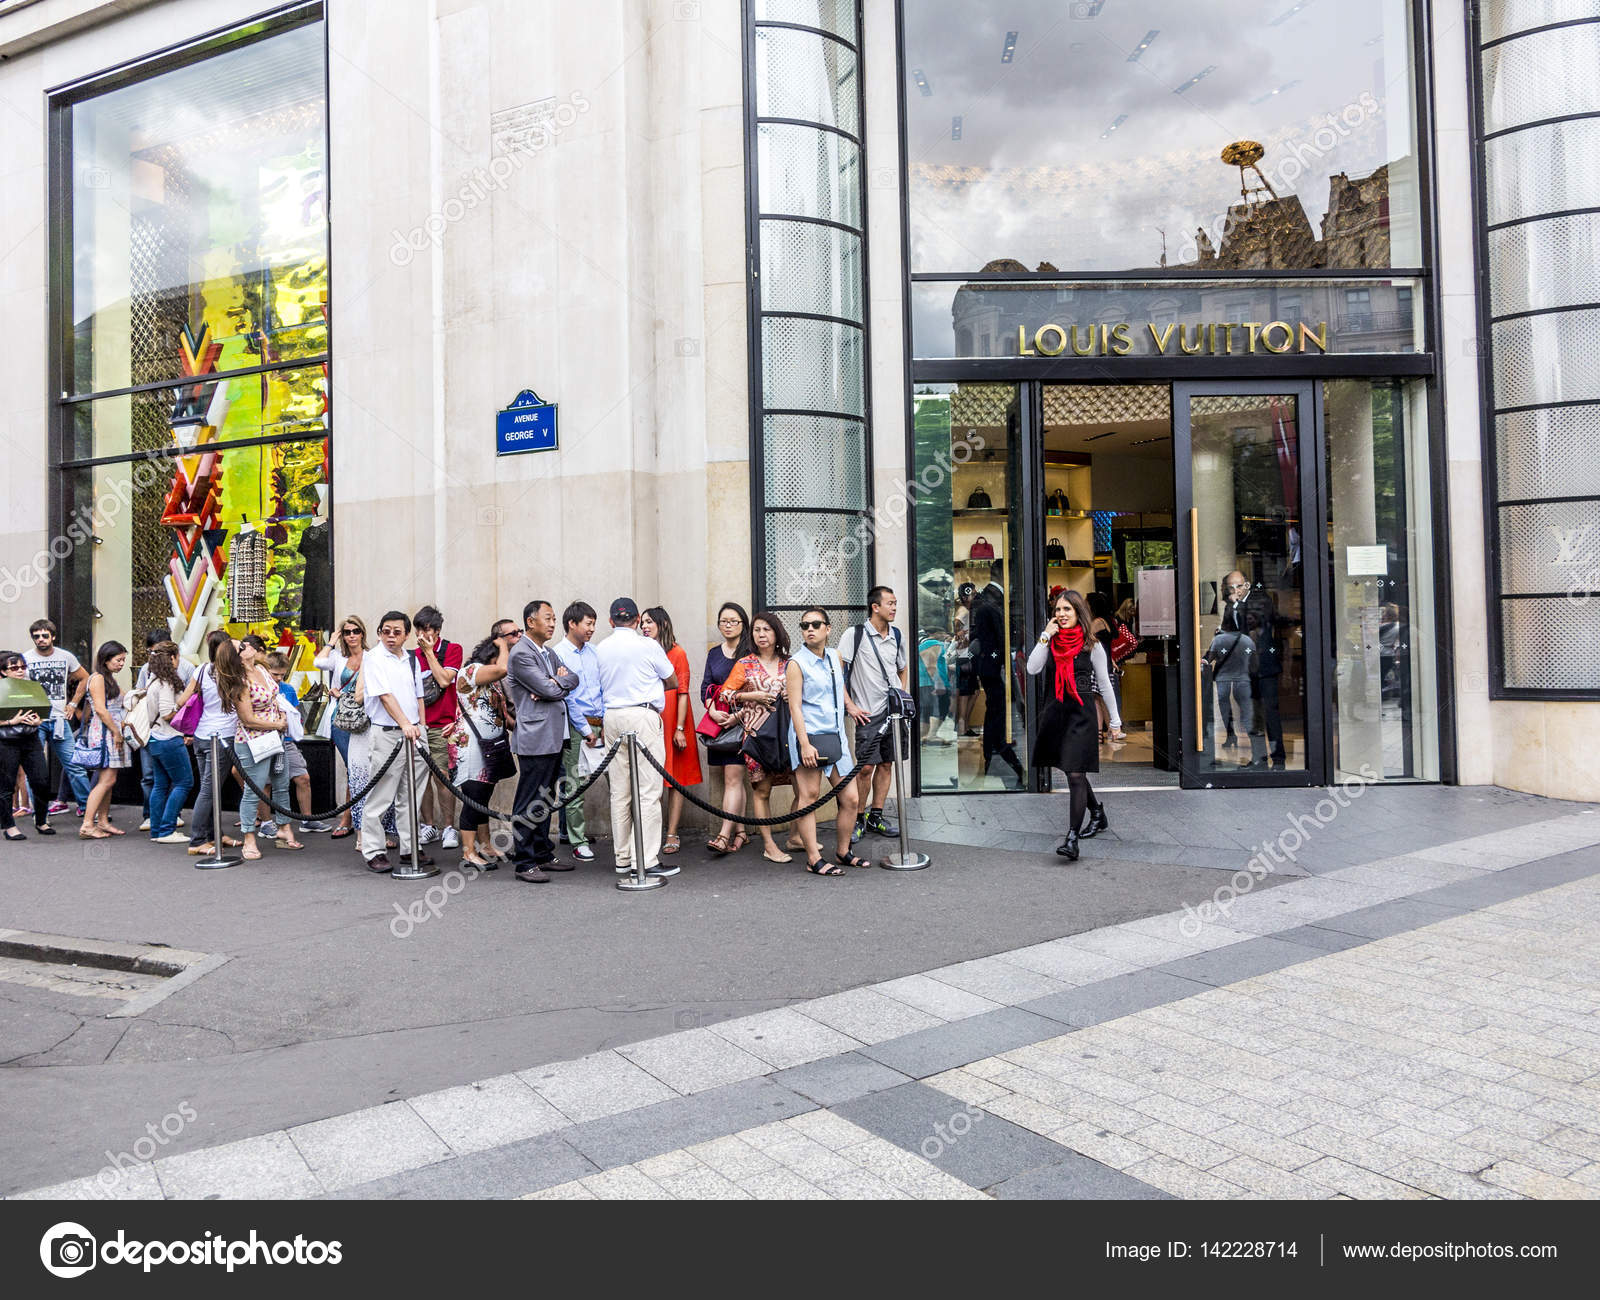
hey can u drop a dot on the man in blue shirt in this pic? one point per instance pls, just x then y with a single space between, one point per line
584 713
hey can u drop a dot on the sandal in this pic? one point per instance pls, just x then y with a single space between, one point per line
671 845
740 839
847 860
823 868
782 857
292 844
109 829
251 855
718 846
342 832
92 835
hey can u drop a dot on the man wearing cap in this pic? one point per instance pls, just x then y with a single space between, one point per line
633 670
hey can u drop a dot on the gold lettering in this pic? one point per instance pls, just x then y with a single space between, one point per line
1023 350
1319 336
1199 339
1087 351
1252 326
1061 340
1230 327
1288 336
1122 341
1160 340
1105 339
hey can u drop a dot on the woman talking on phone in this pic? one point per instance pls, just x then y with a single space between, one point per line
1069 733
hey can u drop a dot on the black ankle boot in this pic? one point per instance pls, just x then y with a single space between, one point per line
1094 823
1068 848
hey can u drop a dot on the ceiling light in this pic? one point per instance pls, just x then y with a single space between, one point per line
1288 85
1009 50
921 81
1121 118
1095 437
1144 442
955 128
1288 13
1196 79
1143 45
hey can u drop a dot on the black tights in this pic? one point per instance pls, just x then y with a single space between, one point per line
1082 798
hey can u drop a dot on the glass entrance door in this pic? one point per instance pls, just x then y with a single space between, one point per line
1249 625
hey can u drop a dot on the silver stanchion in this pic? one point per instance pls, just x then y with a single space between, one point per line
905 860
216 859
638 880
416 871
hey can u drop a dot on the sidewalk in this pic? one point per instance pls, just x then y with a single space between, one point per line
1419 1025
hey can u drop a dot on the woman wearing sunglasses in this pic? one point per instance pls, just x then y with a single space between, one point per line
20 751
819 743
341 660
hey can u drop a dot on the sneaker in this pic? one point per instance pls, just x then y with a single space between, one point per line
451 839
268 830
662 871
315 828
624 868
57 806
179 822
583 853
427 834
878 826
145 824
858 830
174 838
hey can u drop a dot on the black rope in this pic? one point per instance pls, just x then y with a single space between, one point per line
747 821
500 816
351 802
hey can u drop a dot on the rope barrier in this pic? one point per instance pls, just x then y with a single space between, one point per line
499 816
747 821
351 802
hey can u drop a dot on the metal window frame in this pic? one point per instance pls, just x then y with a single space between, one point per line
71 586
1423 366
1495 598
756 315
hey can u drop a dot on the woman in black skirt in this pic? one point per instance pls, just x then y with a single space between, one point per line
1069 730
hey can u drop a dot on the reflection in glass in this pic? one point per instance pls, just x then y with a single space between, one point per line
199 227
1098 144
969 523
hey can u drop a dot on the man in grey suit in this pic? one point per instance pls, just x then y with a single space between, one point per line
537 683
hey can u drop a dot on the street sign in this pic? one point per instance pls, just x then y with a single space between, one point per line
528 424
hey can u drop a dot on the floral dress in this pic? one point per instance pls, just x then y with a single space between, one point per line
749 674
488 710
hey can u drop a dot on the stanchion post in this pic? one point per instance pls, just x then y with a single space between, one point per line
216 859
638 880
416 871
905 860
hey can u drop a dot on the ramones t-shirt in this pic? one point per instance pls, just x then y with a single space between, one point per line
52 672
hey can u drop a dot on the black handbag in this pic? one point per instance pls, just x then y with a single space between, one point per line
432 692
730 740
979 500
768 745
1056 503
1055 552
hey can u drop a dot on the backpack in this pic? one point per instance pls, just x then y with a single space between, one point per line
138 719
860 629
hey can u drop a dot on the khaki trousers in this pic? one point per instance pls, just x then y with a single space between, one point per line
390 790
647 723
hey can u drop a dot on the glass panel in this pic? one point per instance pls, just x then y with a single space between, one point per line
292 403
1546 358
804 172
807 77
1549 452
1551 168
199 234
807 267
812 365
172 530
816 557
816 461
1245 467
1380 516
1547 74
1550 548
1540 264
836 16
1550 643
1097 136
1504 17
1151 318
970 618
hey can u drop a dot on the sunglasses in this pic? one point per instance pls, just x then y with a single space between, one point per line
350 631
810 625
41 636
16 667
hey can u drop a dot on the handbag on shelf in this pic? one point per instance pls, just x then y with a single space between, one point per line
979 500
313 704
982 549
1055 552
1056 503
1123 644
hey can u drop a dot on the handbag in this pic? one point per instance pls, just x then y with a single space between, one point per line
432 692
265 745
350 714
979 500
137 720
1056 503
186 719
1123 644
830 744
1055 552
497 761
768 745
720 738
85 755
313 704
982 549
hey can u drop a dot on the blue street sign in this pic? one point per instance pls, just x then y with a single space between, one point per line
528 424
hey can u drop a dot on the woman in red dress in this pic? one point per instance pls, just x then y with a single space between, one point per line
677 720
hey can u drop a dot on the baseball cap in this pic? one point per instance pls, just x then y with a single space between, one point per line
623 610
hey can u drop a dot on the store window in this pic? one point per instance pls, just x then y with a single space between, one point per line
192 437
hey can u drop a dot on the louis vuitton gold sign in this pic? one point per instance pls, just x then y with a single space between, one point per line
1219 338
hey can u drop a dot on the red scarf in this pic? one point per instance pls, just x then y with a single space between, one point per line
1065 645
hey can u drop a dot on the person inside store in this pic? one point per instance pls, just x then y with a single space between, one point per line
989 659
1068 736
819 742
1105 627
1232 659
966 683
733 624
933 684
20 751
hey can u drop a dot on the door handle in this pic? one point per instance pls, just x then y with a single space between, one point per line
1194 606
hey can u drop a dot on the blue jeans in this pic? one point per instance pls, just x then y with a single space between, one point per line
62 749
168 763
271 774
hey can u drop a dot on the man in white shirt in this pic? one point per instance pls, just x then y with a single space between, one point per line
633 670
584 707
63 679
391 683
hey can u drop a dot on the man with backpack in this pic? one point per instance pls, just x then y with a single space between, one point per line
875 669
438 661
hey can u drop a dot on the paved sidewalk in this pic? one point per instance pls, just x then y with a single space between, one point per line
1421 1025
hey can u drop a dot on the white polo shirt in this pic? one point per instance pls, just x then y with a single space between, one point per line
383 673
633 669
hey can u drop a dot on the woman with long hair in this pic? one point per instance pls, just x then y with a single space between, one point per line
734 625
101 749
216 720
341 660
250 692
819 741
484 716
966 683
753 690
165 751
1104 626
677 718
1068 735
22 755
